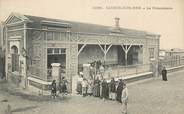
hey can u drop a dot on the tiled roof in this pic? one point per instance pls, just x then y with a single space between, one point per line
90 28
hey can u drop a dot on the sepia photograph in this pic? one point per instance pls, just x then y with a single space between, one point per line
91 57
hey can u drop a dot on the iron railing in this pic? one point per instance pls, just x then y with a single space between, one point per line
169 63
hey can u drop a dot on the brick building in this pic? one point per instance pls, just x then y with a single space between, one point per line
34 43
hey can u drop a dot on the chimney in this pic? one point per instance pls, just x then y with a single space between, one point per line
117 22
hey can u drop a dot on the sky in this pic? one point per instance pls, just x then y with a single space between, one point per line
164 17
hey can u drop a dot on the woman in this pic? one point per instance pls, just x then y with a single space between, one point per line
96 91
90 87
104 89
164 74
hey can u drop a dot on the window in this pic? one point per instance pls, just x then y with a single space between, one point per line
49 51
151 53
49 36
55 51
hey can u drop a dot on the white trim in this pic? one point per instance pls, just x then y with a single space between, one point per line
14 37
39 81
80 50
131 76
175 67
17 15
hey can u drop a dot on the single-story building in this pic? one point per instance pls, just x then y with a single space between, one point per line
35 46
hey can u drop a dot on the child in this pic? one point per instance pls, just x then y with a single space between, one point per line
124 99
53 89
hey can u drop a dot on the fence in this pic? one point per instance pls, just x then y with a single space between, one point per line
169 63
119 71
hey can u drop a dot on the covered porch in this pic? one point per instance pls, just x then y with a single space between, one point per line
117 59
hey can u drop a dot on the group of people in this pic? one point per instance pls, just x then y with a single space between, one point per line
113 90
61 87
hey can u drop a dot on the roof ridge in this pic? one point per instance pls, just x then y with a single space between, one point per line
67 20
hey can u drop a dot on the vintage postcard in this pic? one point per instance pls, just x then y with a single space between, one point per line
91 56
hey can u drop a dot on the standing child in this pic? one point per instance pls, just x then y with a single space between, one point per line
90 87
84 87
124 99
53 89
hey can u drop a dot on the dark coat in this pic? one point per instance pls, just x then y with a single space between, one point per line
119 91
53 87
104 89
112 86
164 74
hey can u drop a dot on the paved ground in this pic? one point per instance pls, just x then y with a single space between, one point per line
149 97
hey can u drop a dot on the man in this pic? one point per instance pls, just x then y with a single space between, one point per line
119 90
164 74
112 84
124 99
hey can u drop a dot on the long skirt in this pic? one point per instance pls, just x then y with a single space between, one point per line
96 91
90 90
84 91
164 77
112 95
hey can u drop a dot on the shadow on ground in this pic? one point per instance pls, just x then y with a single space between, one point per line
12 90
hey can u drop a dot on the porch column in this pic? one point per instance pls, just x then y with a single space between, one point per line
25 58
140 54
126 49
6 52
105 50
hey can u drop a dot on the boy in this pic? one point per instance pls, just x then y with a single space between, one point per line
124 99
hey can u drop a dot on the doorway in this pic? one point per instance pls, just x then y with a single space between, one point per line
15 58
56 55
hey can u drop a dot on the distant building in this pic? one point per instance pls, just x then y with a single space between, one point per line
33 44
172 57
